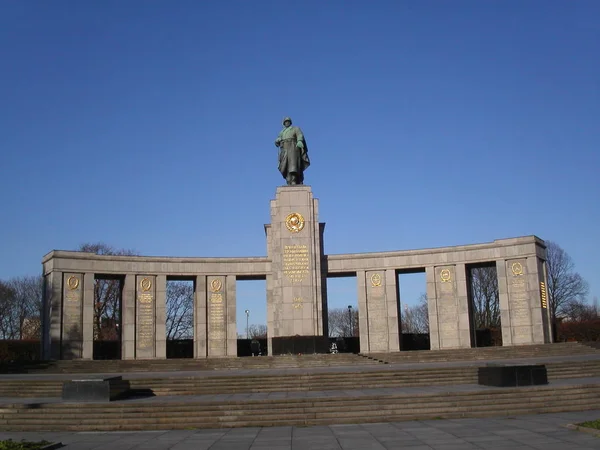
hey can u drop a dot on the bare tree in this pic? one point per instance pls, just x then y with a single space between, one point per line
415 319
343 322
485 298
180 310
107 294
28 305
564 284
7 300
578 311
20 308
257 331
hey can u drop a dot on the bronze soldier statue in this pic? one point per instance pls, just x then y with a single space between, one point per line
293 153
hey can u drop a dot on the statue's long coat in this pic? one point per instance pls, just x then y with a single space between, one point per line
292 158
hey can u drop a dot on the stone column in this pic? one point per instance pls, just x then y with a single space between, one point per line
72 316
363 311
451 307
540 322
295 305
505 319
462 302
217 336
545 300
88 316
230 283
434 335
382 311
128 321
270 313
200 322
161 317
145 315
393 313
53 310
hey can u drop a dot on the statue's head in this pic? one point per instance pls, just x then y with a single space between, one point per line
287 121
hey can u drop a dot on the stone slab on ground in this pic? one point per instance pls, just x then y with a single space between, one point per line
544 431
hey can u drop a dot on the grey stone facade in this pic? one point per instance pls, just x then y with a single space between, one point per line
295 271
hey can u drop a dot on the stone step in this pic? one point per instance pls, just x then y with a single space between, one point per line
300 382
545 350
303 361
168 415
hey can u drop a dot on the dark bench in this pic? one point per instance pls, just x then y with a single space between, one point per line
95 389
513 375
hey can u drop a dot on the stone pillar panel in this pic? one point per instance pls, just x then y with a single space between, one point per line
377 311
128 308
504 304
160 336
145 315
295 300
448 312
53 293
88 316
72 323
200 314
217 316
518 302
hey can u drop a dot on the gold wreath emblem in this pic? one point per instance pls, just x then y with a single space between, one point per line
294 222
73 283
216 285
375 280
445 275
146 284
517 269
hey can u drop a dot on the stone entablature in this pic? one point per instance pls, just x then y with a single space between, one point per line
259 267
61 260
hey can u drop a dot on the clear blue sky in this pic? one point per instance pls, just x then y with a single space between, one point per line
150 125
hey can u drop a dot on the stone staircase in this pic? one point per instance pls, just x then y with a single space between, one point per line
154 415
300 390
387 377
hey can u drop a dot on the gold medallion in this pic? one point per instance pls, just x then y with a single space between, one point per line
294 222
146 284
73 283
375 280
517 269
445 275
216 285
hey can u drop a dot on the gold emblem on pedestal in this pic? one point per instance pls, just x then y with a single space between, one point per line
517 269
294 222
375 280
73 283
445 275
216 285
298 303
146 284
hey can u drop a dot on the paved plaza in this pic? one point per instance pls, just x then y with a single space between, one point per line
543 432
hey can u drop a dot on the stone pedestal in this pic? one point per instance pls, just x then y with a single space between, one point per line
295 301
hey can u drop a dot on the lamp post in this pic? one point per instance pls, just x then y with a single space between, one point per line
247 318
350 319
